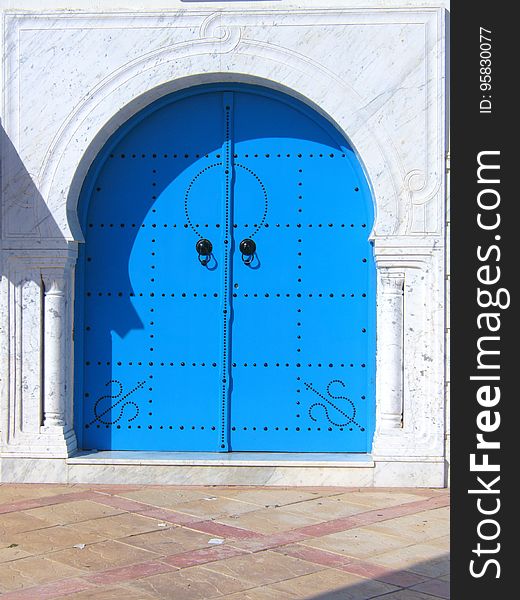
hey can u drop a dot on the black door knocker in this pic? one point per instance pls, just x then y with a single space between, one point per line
204 248
248 249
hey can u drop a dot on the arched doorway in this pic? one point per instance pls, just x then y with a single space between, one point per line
225 295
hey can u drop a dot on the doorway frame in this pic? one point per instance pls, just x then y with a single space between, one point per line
88 189
409 191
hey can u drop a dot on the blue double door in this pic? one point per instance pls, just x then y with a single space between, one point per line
225 290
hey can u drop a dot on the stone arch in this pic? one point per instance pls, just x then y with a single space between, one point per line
129 90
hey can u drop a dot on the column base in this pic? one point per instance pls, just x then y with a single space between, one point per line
391 422
51 442
388 442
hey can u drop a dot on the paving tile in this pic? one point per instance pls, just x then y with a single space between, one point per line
392 512
117 526
269 498
115 488
333 526
129 573
325 491
435 587
433 568
74 512
29 572
263 568
18 522
440 501
195 583
8 553
111 593
379 498
381 514
270 520
53 538
223 530
419 558
353 566
439 513
443 542
326 509
168 541
23 491
202 556
213 509
315 555
165 497
358 543
413 527
372 571
266 542
429 492
335 584
169 516
407 595
48 591
102 555
261 593
123 503
29 503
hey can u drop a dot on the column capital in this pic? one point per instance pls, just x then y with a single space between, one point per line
54 281
392 281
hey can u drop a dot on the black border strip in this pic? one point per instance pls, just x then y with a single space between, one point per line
482 122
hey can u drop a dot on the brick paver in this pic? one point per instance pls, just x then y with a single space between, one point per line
104 542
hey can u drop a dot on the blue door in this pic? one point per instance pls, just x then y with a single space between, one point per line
225 291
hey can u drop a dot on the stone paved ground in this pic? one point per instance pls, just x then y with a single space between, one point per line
83 542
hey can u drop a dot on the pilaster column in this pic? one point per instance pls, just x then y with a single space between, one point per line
54 348
389 390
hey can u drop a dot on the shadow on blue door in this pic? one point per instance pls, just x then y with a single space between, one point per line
225 291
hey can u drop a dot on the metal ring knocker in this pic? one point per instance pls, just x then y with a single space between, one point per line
248 249
204 248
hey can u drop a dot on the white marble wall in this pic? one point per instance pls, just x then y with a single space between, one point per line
72 77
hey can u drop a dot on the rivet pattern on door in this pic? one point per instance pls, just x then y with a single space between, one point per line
225 291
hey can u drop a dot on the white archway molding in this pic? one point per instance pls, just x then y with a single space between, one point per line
128 90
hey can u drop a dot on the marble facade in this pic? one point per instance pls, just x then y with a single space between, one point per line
376 70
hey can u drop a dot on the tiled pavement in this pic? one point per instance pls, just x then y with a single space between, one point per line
83 542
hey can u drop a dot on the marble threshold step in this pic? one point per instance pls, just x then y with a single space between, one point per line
233 468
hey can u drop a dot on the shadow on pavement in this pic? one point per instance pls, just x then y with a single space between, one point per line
426 580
